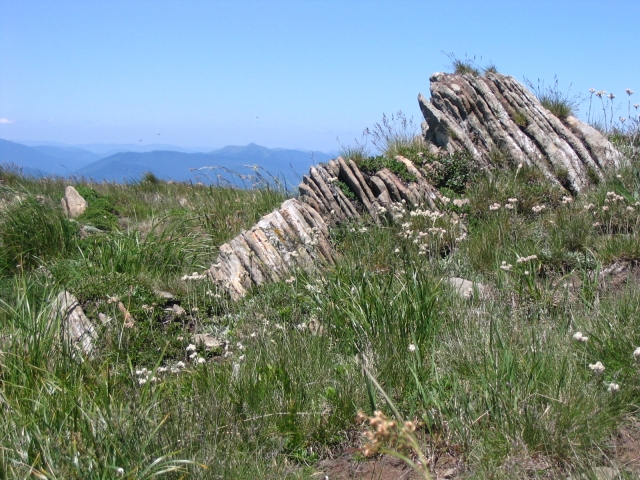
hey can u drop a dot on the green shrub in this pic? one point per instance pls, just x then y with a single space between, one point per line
451 171
101 212
372 165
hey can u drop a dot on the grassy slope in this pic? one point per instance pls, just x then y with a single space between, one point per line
498 383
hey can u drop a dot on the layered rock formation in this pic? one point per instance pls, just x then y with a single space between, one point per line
296 236
494 116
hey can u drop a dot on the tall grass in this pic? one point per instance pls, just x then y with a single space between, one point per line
497 383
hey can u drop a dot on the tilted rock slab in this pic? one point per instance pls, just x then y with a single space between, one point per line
75 327
296 236
494 113
480 115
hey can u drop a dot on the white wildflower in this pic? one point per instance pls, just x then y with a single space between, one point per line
181 365
119 472
566 200
538 208
191 348
613 387
509 206
636 353
579 337
201 360
629 91
506 266
412 347
597 367
193 355
142 381
495 206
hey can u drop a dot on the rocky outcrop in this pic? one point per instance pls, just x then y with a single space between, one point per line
73 203
296 236
492 116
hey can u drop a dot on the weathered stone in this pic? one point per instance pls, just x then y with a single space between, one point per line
75 327
468 289
208 341
73 204
493 113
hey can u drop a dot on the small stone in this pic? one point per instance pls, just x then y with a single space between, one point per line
208 341
466 288
73 203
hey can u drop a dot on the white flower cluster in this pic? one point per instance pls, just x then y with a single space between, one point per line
613 197
579 337
426 213
566 200
597 367
145 376
530 258
194 276
538 208
636 353
495 206
192 352
589 206
506 266
398 210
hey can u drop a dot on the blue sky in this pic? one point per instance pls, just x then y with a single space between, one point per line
291 74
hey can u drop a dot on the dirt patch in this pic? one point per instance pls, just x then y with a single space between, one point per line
352 465
626 446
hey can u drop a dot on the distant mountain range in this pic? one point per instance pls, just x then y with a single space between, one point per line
127 163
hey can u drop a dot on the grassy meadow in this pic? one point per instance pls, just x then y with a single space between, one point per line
537 377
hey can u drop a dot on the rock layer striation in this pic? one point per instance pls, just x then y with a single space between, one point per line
494 116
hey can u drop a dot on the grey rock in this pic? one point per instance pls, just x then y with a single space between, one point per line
494 113
208 341
468 289
75 327
73 203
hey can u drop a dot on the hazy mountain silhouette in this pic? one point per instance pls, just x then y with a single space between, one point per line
96 162
285 163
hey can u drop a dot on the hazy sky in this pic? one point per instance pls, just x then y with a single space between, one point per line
281 73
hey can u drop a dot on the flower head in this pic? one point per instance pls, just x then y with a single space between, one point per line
636 353
629 91
611 96
579 337
597 367
613 387
412 347
592 90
